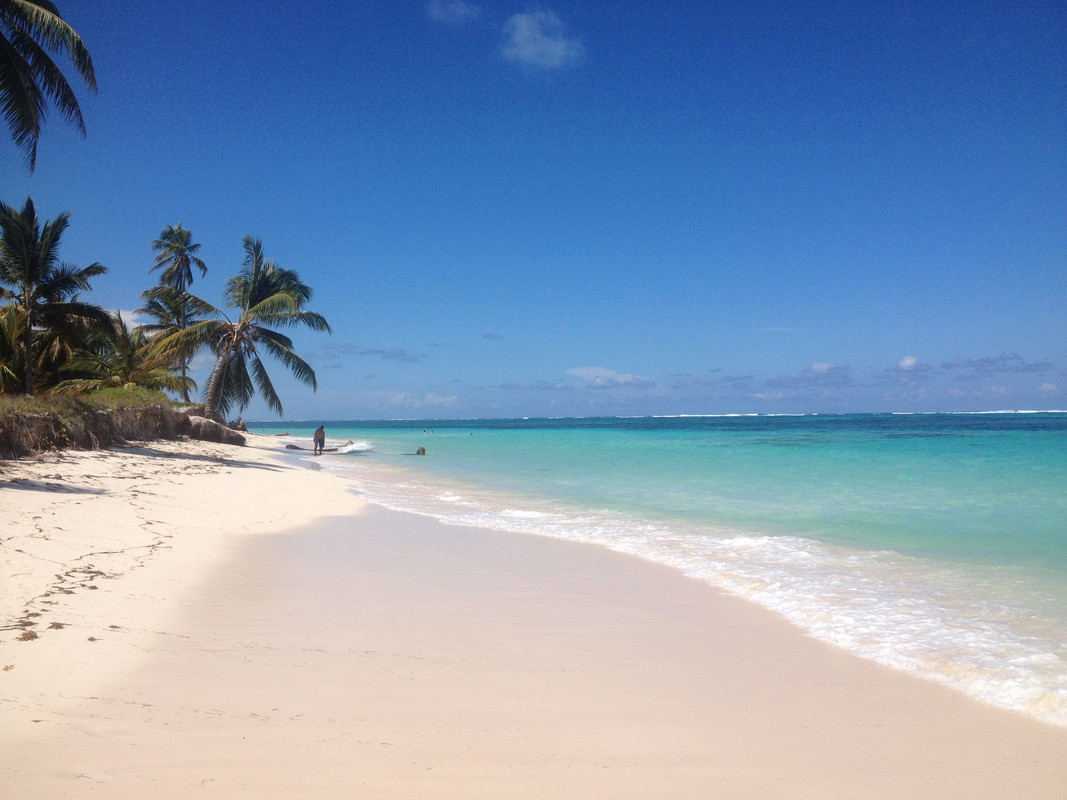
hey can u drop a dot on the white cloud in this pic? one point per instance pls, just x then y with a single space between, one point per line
602 378
202 361
538 39
132 317
908 371
454 11
1048 389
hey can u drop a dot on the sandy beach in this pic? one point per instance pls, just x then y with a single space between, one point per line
196 620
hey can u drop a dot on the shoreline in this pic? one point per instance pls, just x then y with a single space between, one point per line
345 645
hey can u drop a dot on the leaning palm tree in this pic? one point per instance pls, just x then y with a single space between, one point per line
43 291
263 296
176 256
124 359
29 31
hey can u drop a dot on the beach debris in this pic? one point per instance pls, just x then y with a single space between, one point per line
207 430
309 450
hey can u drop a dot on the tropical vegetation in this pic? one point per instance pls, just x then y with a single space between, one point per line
44 322
30 32
170 305
54 343
262 298
125 358
176 254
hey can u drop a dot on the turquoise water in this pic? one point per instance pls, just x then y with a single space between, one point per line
936 544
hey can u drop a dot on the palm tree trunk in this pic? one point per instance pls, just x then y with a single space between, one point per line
185 391
27 354
214 386
183 323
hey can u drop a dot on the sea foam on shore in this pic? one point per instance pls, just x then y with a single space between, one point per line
932 546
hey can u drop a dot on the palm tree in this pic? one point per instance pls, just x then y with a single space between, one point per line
43 291
124 359
10 355
262 295
170 311
29 78
176 256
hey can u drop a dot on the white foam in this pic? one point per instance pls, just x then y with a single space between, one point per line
967 628
355 447
515 513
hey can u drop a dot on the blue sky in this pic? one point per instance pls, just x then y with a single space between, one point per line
509 209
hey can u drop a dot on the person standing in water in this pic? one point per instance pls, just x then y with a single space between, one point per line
320 439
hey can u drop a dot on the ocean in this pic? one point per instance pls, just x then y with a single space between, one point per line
932 543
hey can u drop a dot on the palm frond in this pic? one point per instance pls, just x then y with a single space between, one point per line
263 297
29 29
266 387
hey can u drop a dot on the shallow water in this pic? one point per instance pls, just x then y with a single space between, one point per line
936 544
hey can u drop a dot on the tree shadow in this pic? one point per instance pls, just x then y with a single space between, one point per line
29 485
239 463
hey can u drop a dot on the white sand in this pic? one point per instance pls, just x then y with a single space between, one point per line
384 655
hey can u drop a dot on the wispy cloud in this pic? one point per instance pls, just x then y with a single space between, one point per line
544 386
395 354
1005 363
602 378
909 370
428 401
738 382
818 374
453 11
982 392
688 381
539 39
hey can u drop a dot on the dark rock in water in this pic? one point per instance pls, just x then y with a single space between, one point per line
421 451
207 430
